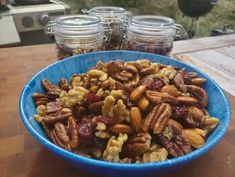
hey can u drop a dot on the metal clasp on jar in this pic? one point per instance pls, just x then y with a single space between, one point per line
180 31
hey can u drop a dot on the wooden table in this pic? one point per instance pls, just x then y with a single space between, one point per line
21 155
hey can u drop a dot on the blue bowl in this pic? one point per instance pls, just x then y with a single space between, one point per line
218 107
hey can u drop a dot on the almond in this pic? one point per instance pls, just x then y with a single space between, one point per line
175 123
194 138
121 128
137 92
143 103
136 118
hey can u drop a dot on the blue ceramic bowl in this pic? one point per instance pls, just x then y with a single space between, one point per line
218 107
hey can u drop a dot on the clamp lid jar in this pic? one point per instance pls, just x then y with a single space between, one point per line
115 21
78 34
151 33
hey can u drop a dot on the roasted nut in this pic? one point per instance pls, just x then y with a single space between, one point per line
197 92
192 74
178 79
136 145
96 107
194 138
137 92
60 134
121 128
136 119
114 67
48 86
173 140
72 127
157 97
117 94
143 103
196 113
170 89
156 153
41 110
130 68
157 119
187 100
51 119
114 147
40 99
107 108
64 85
175 123
209 123
95 73
147 71
198 81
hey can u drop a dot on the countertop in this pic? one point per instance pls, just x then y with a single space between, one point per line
21 155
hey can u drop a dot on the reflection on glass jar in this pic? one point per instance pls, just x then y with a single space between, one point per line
150 33
115 20
78 34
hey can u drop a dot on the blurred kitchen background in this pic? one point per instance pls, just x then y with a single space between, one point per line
22 22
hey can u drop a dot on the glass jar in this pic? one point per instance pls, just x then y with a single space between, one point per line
151 33
115 21
77 34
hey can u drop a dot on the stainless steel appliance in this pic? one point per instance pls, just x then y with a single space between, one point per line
23 21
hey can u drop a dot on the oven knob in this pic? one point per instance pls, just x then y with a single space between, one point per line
44 19
27 22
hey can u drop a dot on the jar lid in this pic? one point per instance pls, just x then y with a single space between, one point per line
78 25
152 25
106 11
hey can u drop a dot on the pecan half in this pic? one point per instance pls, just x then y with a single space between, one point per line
64 85
53 107
158 118
114 67
48 86
72 127
58 117
198 92
196 113
40 98
60 136
173 140
136 145
157 97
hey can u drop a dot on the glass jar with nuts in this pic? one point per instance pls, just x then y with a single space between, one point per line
115 20
150 33
77 34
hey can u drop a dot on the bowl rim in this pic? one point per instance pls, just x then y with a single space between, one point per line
133 166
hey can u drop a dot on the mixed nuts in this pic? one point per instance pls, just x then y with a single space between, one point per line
127 112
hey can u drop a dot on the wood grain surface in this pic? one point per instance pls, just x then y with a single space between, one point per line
21 155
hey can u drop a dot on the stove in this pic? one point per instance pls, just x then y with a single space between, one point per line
29 21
